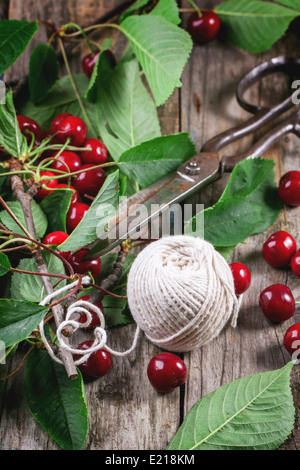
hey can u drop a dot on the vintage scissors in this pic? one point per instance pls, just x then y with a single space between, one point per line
207 166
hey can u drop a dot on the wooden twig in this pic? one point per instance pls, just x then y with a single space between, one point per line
106 285
58 310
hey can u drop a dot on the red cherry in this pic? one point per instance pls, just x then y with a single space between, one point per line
166 371
55 238
95 318
56 121
83 267
98 363
279 249
75 214
98 153
277 302
73 127
51 183
205 28
295 263
241 277
67 162
75 195
90 60
89 182
291 339
27 125
289 188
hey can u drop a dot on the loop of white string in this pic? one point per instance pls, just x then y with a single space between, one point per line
81 307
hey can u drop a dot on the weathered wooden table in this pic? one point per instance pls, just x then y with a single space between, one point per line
125 411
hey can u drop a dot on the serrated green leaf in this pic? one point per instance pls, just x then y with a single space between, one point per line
162 50
252 413
56 402
10 135
254 25
126 113
56 206
15 35
255 179
101 211
138 4
228 222
152 160
39 218
4 264
43 72
18 319
30 287
167 9
101 75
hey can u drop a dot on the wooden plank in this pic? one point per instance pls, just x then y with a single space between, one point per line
209 107
124 411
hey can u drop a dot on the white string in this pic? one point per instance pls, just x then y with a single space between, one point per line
81 307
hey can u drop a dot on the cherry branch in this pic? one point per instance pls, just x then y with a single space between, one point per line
58 310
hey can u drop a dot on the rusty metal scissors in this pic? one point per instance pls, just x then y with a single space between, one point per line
207 166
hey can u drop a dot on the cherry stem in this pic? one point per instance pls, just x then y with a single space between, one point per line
18 367
75 289
63 51
83 34
23 271
107 292
195 7
14 217
91 28
42 245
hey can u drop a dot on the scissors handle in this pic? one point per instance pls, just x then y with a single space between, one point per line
290 125
263 117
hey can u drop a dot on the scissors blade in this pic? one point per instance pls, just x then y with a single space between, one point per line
195 173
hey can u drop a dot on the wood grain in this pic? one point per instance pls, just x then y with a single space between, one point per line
124 411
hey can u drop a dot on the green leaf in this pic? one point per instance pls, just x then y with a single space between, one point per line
101 211
56 206
162 50
18 319
101 75
15 35
39 218
56 402
61 98
252 413
138 4
167 9
4 264
43 72
10 135
150 161
254 25
255 179
30 287
126 113
228 222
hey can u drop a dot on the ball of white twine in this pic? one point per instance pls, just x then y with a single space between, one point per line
181 293
80 307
